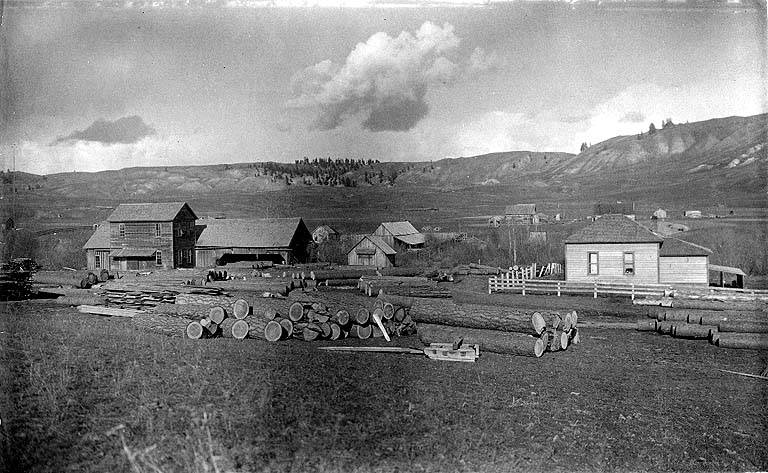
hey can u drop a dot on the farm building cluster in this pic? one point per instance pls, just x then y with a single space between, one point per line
141 236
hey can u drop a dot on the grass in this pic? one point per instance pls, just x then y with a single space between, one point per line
93 394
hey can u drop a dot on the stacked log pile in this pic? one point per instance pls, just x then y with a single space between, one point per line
402 286
723 328
495 328
15 282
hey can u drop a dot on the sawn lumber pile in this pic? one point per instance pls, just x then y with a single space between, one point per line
723 328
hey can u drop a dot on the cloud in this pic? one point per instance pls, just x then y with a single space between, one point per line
480 61
383 82
632 117
124 130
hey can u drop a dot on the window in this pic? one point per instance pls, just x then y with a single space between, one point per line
593 263
97 264
629 264
121 230
159 258
158 229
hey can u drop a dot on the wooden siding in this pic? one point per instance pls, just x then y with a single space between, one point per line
385 235
90 256
611 263
684 270
378 258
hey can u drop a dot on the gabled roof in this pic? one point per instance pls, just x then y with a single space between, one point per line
520 209
614 229
400 228
148 212
377 242
678 247
327 227
99 239
415 239
249 233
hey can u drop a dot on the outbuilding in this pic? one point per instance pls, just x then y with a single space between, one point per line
682 262
400 235
97 248
279 240
521 214
371 250
324 232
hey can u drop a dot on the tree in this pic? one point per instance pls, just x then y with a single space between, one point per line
583 147
652 129
667 123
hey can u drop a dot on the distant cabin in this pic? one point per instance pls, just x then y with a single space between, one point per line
521 214
681 262
323 233
372 250
660 214
613 249
614 208
692 213
279 240
400 235
144 236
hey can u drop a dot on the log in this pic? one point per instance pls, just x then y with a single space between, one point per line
398 301
217 314
754 341
163 324
399 314
342 318
672 315
234 328
664 327
351 273
335 331
210 327
646 325
194 330
552 321
743 326
718 305
360 331
256 326
376 332
573 336
489 340
716 317
362 316
296 312
389 310
241 309
340 282
85 299
693 331
287 326
377 304
273 331
433 311
557 340
311 332
104 275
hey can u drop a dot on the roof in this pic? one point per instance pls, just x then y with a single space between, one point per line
614 229
148 212
415 239
327 227
399 228
678 247
248 233
378 242
726 269
520 209
133 253
99 239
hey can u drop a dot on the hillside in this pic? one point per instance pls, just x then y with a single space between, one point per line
712 160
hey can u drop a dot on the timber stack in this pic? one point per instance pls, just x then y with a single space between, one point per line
722 328
15 281
496 329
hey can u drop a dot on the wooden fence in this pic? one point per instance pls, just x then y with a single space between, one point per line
506 282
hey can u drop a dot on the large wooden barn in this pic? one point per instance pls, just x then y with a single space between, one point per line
400 235
613 249
371 250
144 236
279 240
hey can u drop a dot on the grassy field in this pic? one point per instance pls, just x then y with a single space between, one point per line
85 393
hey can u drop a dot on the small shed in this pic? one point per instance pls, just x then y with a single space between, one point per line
280 240
97 248
728 276
660 214
613 249
521 214
400 235
692 213
324 232
372 250
682 262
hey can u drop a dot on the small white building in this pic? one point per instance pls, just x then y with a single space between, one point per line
660 214
692 213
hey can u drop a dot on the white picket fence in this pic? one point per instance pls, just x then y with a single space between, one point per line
507 282
535 271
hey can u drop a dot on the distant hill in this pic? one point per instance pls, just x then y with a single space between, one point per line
710 160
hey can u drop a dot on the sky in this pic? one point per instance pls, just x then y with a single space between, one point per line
89 88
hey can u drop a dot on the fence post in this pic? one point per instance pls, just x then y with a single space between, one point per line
595 289
523 286
633 291
489 284
558 288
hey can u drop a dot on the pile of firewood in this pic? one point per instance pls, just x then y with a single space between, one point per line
723 328
495 328
402 286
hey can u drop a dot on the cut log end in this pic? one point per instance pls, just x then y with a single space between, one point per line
241 309
296 311
538 322
194 330
273 331
217 314
240 329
